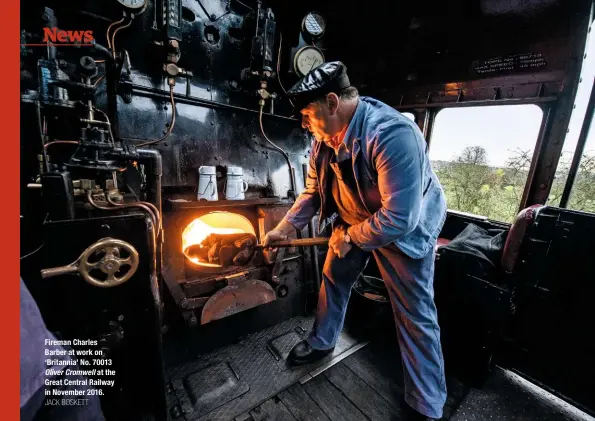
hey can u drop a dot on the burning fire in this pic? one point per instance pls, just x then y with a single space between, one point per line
213 223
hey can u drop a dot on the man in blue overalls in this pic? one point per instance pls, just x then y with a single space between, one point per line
369 165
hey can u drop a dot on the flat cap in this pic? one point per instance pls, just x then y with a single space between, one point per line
328 77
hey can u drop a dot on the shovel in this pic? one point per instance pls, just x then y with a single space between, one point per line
240 249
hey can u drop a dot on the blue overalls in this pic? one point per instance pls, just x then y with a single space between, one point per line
406 209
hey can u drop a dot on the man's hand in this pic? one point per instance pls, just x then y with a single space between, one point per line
280 233
337 242
274 235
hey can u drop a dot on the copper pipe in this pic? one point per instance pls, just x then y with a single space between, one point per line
171 125
153 208
98 80
142 205
114 36
96 206
109 44
281 151
61 142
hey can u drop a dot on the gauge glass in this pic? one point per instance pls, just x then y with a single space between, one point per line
314 24
307 59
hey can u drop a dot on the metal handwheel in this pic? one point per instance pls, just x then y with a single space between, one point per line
110 264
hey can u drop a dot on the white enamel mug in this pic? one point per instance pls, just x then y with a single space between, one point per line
207 183
235 186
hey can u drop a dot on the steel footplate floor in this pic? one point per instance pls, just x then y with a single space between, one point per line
229 381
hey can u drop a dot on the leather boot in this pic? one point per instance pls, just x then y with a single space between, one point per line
303 353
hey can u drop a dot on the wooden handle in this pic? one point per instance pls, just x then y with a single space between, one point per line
304 242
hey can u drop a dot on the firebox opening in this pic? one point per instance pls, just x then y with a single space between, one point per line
213 223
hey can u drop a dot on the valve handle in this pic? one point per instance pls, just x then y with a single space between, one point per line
110 264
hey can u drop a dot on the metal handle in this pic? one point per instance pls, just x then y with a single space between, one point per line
62 270
303 242
110 264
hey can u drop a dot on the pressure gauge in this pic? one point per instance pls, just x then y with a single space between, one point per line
314 25
134 6
306 59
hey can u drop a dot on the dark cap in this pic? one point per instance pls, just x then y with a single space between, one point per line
326 78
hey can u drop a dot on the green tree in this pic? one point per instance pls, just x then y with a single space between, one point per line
582 196
471 185
466 180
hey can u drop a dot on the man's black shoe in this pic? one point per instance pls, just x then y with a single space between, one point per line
303 353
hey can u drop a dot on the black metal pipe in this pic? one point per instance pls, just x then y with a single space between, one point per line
100 49
154 156
314 250
580 147
183 99
156 160
103 50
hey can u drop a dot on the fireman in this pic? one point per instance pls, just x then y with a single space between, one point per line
370 175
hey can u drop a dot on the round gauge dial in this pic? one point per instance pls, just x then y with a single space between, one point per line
134 5
314 24
306 59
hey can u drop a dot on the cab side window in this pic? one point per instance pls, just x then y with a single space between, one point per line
482 156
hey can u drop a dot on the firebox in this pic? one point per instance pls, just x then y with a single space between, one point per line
217 222
204 291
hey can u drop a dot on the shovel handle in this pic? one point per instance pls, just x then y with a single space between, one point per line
303 242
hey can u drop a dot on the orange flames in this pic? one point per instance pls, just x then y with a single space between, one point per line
213 223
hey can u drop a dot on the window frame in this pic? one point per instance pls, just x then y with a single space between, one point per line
538 149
